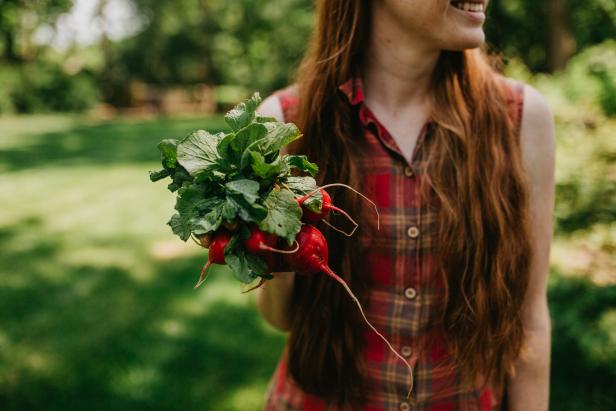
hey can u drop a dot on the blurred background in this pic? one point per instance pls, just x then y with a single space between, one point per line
97 309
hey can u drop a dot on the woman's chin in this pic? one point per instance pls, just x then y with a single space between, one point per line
467 41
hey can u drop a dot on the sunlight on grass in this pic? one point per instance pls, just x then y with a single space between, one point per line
17 128
137 382
246 398
173 327
170 249
96 295
217 287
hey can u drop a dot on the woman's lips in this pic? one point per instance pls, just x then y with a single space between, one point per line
470 6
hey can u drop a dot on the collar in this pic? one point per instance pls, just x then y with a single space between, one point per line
353 89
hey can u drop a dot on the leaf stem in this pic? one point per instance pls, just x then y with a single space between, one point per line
378 216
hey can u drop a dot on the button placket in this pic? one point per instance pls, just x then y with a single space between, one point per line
413 231
408 171
410 293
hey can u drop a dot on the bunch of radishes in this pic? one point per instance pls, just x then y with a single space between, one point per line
238 196
238 190
308 256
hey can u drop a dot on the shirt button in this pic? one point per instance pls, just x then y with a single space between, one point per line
412 232
410 293
406 351
408 171
405 406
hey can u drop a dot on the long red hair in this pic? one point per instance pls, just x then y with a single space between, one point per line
474 169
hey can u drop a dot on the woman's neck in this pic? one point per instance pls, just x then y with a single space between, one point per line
398 66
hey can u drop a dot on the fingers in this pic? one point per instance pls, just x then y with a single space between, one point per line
231 226
205 240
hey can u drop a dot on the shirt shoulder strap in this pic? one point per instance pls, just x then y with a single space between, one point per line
514 94
289 102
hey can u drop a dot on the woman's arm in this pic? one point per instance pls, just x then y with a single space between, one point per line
528 389
274 297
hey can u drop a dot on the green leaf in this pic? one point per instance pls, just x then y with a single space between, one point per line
158 175
239 265
248 189
190 204
301 186
243 194
264 119
198 151
179 177
246 136
178 227
244 113
168 152
211 220
229 210
235 258
301 163
257 266
250 212
224 147
283 215
263 169
278 135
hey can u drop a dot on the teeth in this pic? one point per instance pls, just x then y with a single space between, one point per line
466 6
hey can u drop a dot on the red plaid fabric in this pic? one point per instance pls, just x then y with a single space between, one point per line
403 301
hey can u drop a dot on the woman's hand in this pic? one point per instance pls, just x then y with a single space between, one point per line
274 298
280 268
205 240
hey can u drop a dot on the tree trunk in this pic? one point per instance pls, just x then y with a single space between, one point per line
562 43
10 53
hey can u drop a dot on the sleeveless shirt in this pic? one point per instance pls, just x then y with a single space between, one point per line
406 290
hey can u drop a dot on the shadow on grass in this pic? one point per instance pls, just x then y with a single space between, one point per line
583 351
92 337
113 142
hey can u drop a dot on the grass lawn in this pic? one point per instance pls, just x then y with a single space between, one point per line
97 309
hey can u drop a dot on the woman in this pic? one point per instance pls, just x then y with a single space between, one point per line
395 99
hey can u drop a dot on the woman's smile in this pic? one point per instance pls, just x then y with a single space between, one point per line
473 9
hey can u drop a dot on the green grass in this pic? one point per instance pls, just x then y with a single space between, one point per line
97 309
96 300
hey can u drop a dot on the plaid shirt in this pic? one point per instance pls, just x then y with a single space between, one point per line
403 301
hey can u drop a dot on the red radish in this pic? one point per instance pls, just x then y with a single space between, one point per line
312 258
216 254
310 216
327 206
261 242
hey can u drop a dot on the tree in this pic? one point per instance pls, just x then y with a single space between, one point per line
243 42
545 34
19 19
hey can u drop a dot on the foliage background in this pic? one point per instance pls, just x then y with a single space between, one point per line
97 309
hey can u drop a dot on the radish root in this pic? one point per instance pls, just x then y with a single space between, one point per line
277 250
332 274
203 275
261 282
333 227
192 236
378 216
344 213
